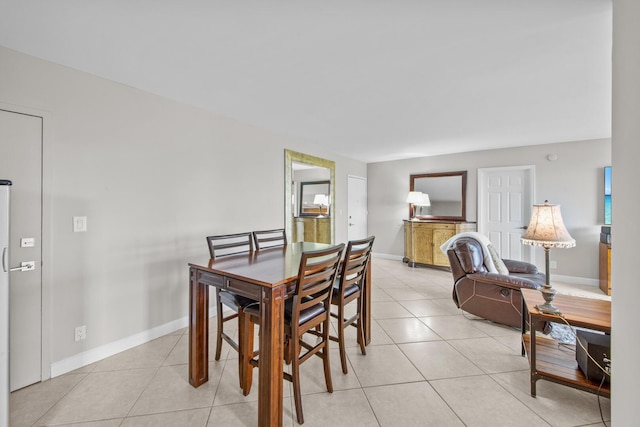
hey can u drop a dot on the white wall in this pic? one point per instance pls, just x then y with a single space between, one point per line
625 286
575 180
154 177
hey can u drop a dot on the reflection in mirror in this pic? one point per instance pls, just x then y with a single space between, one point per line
309 197
447 193
314 197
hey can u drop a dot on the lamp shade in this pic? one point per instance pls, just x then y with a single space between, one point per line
414 197
547 228
424 200
321 199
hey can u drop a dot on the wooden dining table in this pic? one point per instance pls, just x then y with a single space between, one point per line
267 276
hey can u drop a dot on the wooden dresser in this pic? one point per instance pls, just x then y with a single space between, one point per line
422 241
312 229
605 268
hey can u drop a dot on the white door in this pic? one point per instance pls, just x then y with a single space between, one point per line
21 162
505 199
357 207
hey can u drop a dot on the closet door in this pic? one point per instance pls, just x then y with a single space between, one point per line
21 140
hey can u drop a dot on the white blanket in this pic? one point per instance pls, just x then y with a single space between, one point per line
480 238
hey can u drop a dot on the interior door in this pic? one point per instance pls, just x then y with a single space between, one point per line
505 200
357 207
21 162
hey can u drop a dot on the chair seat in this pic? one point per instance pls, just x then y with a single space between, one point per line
234 301
305 315
348 290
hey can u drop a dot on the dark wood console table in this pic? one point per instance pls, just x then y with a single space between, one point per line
267 276
546 359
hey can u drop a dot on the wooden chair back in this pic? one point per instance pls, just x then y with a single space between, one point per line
229 244
270 238
317 273
355 263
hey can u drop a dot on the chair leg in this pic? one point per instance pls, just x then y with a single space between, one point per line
341 345
287 350
295 378
360 327
325 356
220 321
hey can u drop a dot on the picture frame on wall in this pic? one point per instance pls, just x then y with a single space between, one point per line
607 195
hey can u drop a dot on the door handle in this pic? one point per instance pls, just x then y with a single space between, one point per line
5 252
25 266
351 224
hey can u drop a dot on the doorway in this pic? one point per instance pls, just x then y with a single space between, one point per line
505 199
357 207
21 135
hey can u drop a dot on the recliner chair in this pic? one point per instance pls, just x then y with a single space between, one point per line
492 296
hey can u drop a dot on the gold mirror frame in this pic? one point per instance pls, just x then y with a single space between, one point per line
294 156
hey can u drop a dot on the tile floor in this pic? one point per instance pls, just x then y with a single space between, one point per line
428 365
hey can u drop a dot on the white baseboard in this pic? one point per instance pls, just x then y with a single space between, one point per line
96 354
566 279
575 280
386 256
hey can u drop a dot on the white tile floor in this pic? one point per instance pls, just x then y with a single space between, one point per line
428 365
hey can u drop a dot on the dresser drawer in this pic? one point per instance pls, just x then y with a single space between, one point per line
445 226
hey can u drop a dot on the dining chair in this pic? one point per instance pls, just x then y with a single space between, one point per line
348 288
220 246
308 308
269 238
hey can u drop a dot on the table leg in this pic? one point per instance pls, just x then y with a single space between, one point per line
534 371
271 356
523 326
198 329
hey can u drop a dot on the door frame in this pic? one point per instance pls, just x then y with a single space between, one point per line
530 170
46 226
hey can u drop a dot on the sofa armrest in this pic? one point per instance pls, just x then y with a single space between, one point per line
513 282
522 267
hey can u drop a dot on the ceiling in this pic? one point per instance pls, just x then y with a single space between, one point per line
371 80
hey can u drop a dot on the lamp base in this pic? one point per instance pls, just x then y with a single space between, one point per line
548 293
548 308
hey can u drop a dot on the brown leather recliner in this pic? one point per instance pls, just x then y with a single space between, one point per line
492 296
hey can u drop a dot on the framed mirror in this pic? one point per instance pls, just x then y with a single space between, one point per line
447 193
314 198
306 177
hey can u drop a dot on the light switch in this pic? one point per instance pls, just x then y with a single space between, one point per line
79 224
27 242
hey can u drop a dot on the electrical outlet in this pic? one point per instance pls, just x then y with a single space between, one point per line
27 242
79 224
607 364
81 332
553 264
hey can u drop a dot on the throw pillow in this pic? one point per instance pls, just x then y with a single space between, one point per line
497 261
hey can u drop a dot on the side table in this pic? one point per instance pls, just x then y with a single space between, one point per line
547 360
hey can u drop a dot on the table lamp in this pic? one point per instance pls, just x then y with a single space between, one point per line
547 229
424 201
320 200
414 198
